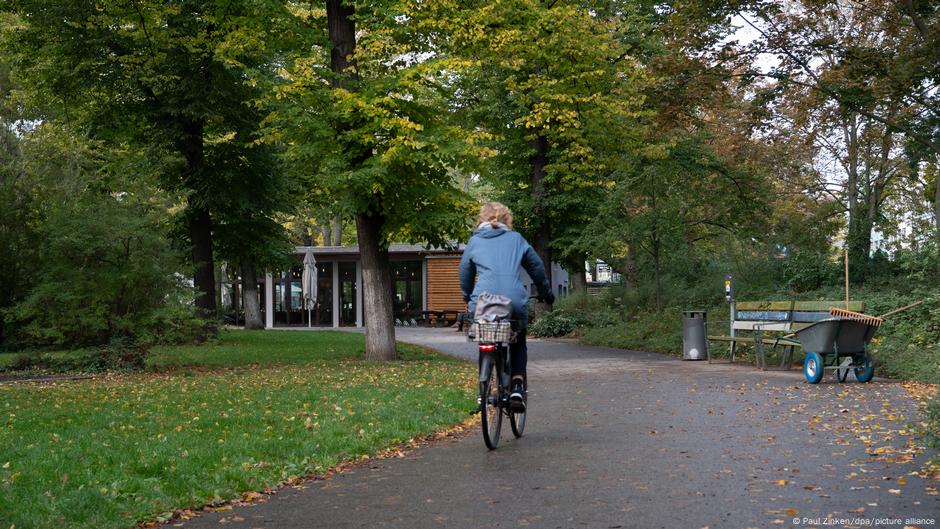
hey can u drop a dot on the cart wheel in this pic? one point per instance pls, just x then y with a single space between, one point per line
813 368
866 372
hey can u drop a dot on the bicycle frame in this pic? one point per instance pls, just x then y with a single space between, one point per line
498 354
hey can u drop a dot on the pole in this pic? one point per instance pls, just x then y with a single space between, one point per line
846 279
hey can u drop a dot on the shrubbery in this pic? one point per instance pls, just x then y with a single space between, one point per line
572 313
88 255
120 354
554 323
907 346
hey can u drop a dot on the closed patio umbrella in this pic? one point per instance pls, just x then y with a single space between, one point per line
310 284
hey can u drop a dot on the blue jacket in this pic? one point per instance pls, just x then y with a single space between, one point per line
498 255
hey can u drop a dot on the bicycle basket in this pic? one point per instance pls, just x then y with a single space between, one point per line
492 332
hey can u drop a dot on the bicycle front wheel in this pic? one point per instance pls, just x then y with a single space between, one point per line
490 408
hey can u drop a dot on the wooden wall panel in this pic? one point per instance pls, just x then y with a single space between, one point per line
444 284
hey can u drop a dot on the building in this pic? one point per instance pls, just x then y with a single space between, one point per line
425 280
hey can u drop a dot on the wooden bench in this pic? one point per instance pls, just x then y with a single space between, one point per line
757 318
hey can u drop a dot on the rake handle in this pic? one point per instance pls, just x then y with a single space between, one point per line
895 311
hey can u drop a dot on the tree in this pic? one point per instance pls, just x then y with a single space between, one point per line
557 88
178 78
366 121
860 55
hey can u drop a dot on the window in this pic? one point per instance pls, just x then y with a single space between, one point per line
409 298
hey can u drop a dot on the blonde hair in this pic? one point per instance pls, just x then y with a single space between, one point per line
494 213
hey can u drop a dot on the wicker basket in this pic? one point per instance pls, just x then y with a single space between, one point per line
492 332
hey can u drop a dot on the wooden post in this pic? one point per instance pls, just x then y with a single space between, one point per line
846 279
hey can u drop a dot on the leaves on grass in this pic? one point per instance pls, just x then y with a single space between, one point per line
208 436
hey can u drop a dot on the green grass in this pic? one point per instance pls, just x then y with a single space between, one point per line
238 348
110 452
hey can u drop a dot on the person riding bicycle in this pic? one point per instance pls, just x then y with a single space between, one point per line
493 259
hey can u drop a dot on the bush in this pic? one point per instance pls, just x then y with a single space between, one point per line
119 355
552 324
804 272
107 272
645 331
575 312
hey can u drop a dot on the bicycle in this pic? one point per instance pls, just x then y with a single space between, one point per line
494 339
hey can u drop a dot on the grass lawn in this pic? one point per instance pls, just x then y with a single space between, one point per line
113 451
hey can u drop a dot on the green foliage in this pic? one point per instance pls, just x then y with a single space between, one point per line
106 272
18 236
646 331
906 347
192 437
572 313
121 354
573 99
383 143
804 272
184 84
554 323
93 240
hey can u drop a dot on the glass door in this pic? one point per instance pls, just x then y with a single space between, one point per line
347 294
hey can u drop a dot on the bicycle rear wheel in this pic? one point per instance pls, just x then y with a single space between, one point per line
491 408
517 422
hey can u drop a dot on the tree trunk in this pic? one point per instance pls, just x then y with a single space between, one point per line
542 228
308 236
250 290
629 265
936 201
377 291
200 233
338 230
190 144
578 276
342 28
658 273
858 260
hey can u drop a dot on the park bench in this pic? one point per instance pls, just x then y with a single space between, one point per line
761 323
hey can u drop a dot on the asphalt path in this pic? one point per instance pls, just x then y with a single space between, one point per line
630 439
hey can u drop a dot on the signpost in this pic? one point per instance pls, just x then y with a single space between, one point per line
729 297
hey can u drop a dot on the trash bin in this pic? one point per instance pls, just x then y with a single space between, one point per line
694 344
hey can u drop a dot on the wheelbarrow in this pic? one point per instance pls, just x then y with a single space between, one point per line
837 344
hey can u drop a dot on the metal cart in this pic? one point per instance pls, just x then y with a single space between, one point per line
837 344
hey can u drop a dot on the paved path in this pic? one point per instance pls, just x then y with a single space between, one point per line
631 439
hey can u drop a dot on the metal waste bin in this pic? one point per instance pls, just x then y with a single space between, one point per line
694 344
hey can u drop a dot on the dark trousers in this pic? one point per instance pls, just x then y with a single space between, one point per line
518 354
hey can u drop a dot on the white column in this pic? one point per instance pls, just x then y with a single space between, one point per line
358 293
268 301
336 289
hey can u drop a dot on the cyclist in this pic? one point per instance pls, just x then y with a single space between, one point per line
493 257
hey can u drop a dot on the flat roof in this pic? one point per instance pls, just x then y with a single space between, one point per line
394 249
